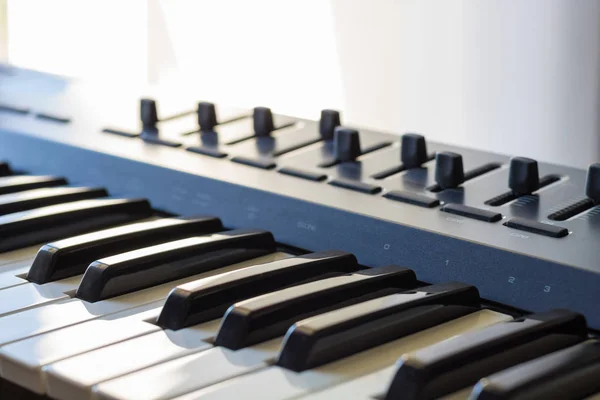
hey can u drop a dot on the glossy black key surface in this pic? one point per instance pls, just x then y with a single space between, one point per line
270 315
142 268
299 173
571 373
255 162
340 333
63 220
454 364
70 257
537 227
212 151
207 299
357 186
412 198
472 212
27 200
19 183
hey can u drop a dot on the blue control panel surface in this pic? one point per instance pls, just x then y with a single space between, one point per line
525 233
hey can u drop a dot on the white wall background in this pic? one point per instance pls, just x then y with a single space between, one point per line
507 75
87 39
3 32
519 77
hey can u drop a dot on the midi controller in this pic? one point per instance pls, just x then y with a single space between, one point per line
154 249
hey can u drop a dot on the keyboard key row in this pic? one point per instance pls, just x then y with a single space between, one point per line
70 257
156 308
187 342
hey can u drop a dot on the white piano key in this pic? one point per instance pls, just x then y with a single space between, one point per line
30 295
14 273
459 395
285 384
21 362
14 266
364 387
70 312
593 397
13 277
73 378
376 383
571 372
180 376
26 254
18 264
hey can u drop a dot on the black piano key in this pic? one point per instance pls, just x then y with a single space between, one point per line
5 168
63 220
208 299
454 364
571 373
70 257
27 200
139 269
343 332
19 183
270 315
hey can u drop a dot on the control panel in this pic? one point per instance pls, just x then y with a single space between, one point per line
524 232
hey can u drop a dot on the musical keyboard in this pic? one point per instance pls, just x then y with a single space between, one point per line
215 253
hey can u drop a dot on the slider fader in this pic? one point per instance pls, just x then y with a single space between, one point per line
525 233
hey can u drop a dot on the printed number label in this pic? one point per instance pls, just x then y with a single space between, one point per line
547 288
386 246
511 279
447 262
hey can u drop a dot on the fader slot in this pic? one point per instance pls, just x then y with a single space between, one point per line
343 158
209 145
386 173
413 154
13 109
53 118
365 165
185 130
212 141
572 210
354 173
471 174
510 196
149 118
263 150
367 150
592 192
446 173
262 124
